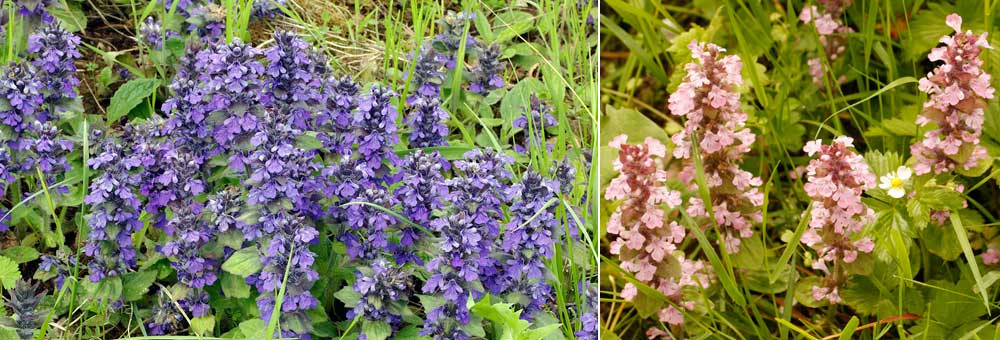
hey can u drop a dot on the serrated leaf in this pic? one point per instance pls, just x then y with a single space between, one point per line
863 295
9 272
244 262
129 95
136 284
21 254
941 198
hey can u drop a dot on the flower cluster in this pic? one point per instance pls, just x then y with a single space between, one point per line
427 118
453 27
294 77
370 227
54 51
190 232
151 33
335 121
206 20
279 185
166 318
464 266
424 193
836 178
486 75
832 33
230 83
20 101
23 302
534 123
185 110
376 115
529 238
646 245
958 91
589 318
384 290
115 204
268 9
46 152
710 101
34 12
60 265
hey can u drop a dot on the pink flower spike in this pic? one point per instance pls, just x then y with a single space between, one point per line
836 178
642 239
958 91
711 85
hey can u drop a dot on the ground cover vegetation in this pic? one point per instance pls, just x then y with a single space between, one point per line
198 169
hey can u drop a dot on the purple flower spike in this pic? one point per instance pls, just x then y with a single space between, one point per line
54 53
486 75
384 291
294 77
529 239
115 204
541 118
336 119
376 118
426 117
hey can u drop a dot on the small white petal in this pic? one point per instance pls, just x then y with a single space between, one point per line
897 192
904 173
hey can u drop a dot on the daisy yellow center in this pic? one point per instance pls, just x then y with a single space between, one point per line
896 182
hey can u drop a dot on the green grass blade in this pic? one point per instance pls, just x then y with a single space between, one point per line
963 240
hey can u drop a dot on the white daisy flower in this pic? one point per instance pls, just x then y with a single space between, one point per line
895 182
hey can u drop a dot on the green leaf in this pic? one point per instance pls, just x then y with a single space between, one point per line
7 333
863 295
350 297
109 288
963 239
129 96
9 272
136 284
21 254
848 331
941 242
203 325
951 304
941 198
511 24
475 329
803 292
376 330
70 15
252 329
234 286
503 316
244 262
538 333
